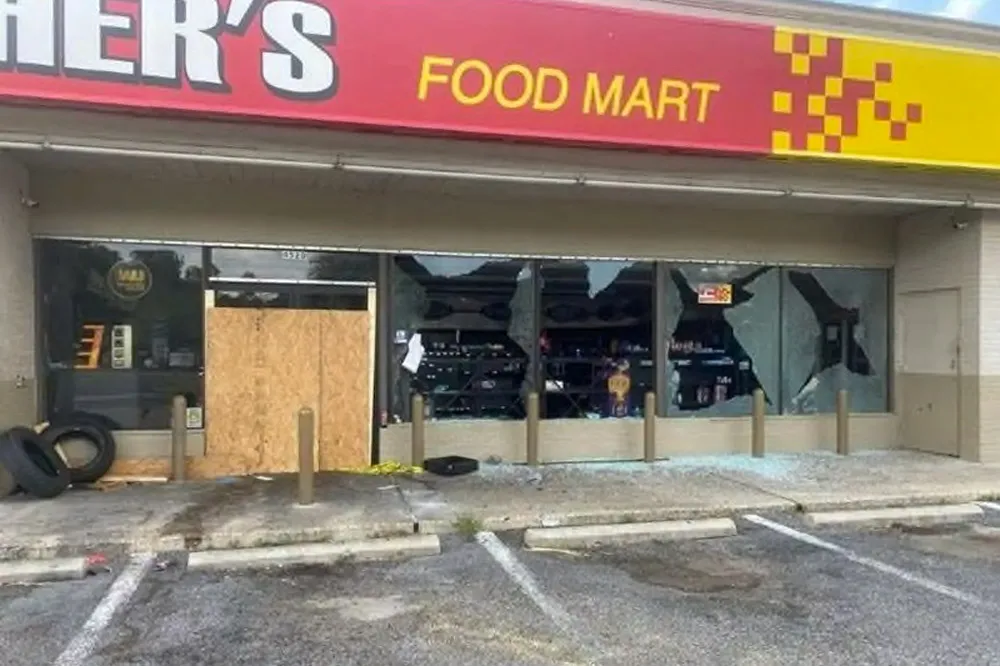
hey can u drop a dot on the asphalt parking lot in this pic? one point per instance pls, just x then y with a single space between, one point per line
895 596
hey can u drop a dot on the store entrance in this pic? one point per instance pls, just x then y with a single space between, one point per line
273 349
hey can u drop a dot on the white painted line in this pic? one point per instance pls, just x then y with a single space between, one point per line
882 567
87 639
520 575
992 506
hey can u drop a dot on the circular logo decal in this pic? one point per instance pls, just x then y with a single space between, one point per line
130 280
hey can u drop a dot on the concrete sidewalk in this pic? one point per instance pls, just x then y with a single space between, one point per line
253 512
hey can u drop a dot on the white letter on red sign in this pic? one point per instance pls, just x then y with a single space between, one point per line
86 29
28 35
299 67
166 25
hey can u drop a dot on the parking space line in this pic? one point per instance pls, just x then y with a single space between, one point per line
520 575
877 565
992 506
121 590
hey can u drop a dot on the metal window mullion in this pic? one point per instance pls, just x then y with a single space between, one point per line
660 337
781 340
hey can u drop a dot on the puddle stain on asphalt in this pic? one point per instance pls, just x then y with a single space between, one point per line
365 609
708 575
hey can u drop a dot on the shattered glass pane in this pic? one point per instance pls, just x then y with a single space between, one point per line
461 333
724 323
835 324
596 338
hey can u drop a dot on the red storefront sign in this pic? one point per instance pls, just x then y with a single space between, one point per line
512 68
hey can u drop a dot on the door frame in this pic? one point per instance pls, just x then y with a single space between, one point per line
295 288
900 331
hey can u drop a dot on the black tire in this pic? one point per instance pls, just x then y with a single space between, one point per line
33 463
102 440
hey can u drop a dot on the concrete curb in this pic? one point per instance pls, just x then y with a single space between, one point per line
917 499
913 515
268 538
43 571
591 536
371 550
515 522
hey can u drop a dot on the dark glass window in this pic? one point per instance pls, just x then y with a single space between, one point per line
123 329
596 338
462 335
292 265
296 296
722 323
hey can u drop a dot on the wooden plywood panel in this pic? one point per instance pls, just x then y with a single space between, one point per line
345 410
287 381
232 360
261 369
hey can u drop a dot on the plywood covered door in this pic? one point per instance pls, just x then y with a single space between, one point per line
263 365
929 382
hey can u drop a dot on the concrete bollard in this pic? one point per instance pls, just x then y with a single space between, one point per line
531 428
843 423
178 438
418 432
757 424
649 428
307 463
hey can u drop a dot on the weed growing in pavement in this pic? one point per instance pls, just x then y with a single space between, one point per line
468 527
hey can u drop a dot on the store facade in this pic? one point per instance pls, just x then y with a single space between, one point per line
267 258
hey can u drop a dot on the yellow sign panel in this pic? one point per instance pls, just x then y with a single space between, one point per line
878 100
715 294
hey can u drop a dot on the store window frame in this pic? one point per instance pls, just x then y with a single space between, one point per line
536 371
636 403
42 348
399 407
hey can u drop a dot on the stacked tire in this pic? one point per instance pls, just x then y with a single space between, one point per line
33 462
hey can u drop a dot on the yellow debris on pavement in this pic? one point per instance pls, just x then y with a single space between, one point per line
385 469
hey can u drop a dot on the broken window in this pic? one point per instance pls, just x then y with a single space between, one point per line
834 336
722 323
462 335
596 337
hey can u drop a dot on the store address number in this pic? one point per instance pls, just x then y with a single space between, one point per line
294 255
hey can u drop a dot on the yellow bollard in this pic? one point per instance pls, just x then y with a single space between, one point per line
757 424
307 465
532 428
417 431
649 428
843 423
178 438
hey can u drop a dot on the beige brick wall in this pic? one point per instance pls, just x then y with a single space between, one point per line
17 303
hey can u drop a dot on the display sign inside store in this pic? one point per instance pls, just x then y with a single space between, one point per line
530 69
130 279
715 294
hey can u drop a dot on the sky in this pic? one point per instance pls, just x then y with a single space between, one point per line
979 11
